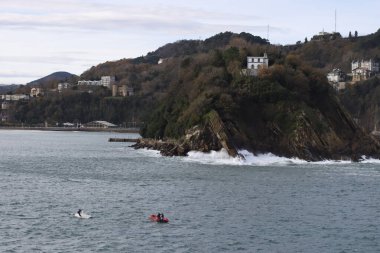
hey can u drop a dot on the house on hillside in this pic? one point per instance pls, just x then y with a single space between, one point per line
14 97
323 36
106 81
254 64
4 113
364 69
5 105
4 116
63 86
36 92
122 90
336 75
89 83
337 79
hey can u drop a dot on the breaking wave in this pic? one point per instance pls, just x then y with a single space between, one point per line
222 158
250 159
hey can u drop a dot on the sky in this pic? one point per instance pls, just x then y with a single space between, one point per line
40 37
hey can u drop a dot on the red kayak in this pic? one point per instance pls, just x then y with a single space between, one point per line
154 217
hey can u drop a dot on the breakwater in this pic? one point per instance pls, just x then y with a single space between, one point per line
123 139
82 129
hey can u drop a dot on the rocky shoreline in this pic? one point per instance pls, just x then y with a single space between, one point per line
212 136
306 143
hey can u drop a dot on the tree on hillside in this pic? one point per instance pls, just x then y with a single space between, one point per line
356 34
306 41
350 35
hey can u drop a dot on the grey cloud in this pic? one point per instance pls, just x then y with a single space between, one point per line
114 17
42 59
18 75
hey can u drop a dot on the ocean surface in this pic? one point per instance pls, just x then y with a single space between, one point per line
214 203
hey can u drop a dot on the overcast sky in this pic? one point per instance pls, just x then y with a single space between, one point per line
39 37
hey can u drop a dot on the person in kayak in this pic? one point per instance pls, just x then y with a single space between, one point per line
79 212
162 217
158 216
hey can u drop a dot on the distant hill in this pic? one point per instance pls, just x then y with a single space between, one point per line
190 47
52 78
7 88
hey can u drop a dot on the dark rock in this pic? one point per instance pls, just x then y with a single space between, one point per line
212 136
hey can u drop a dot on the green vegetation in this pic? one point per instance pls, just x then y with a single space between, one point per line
363 101
286 108
78 107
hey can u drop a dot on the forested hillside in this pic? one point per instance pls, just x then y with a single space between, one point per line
288 109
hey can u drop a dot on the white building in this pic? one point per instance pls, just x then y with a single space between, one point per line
5 105
255 63
15 97
89 83
336 76
122 90
35 92
362 70
62 86
107 81
370 65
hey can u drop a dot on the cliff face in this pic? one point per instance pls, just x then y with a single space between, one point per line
212 136
315 135
341 139
288 110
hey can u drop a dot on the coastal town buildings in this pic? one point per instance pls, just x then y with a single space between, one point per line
360 71
6 104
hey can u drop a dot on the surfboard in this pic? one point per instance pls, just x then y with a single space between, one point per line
82 216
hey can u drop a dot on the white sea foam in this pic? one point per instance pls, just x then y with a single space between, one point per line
249 159
222 157
370 160
149 152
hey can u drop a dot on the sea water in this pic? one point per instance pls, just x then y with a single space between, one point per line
214 203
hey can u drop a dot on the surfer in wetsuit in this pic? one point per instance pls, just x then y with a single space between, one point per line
79 212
